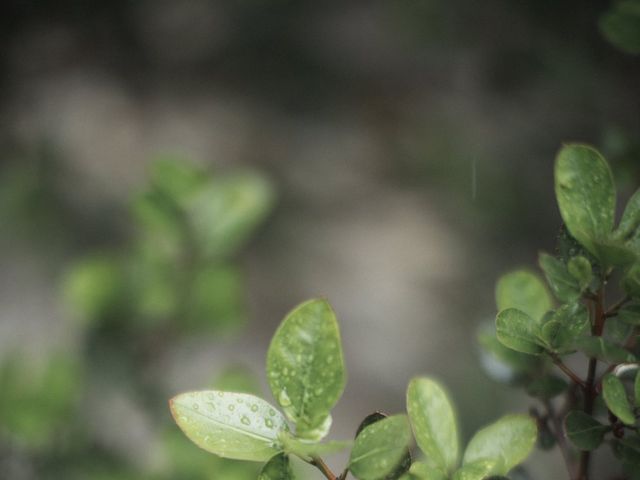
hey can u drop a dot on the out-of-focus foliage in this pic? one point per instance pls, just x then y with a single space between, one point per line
175 276
621 25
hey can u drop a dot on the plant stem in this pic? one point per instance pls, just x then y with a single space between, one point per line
320 465
589 391
613 310
559 435
570 373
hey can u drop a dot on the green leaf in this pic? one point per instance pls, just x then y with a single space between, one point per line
585 193
628 450
636 389
584 431
503 364
621 26
307 450
518 331
567 324
546 387
630 220
277 468
613 253
426 472
580 268
604 350
525 291
565 286
616 399
434 424
224 213
477 470
176 178
380 448
305 367
508 441
631 281
231 425
630 314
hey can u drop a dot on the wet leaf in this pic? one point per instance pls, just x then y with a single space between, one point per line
508 441
585 193
434 423
518 331
616 399
305 367
231 425
380 448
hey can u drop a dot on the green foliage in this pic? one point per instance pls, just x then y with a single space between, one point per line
305 367
621 25
306 372
591 250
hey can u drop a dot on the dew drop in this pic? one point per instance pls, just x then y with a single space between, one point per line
284 399
245 420
254 408
232 407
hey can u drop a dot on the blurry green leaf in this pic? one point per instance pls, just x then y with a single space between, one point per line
630 314
565 286
631 281
636 389
621 25
580 269
239 380
566 325
305 367
434 423
380 448
616 399
231 425
586 194
628 450
477 470
214 299
525 291
176 178
425 472
584 431
630 220
617 330
277 468
613 253
518 331
224 212
604 350
547 387
95 287
307 450
508 441
37 402
501 363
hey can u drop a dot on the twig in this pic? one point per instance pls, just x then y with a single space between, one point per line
613 310
320 465
558 433
570 373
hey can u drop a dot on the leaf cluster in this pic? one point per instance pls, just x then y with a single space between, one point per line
306 374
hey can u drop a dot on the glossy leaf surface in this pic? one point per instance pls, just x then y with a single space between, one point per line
616 399
278 468
585 193
380 448
305 367
434 423
231 425
507 441
518 331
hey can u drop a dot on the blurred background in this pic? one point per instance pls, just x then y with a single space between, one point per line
176 175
